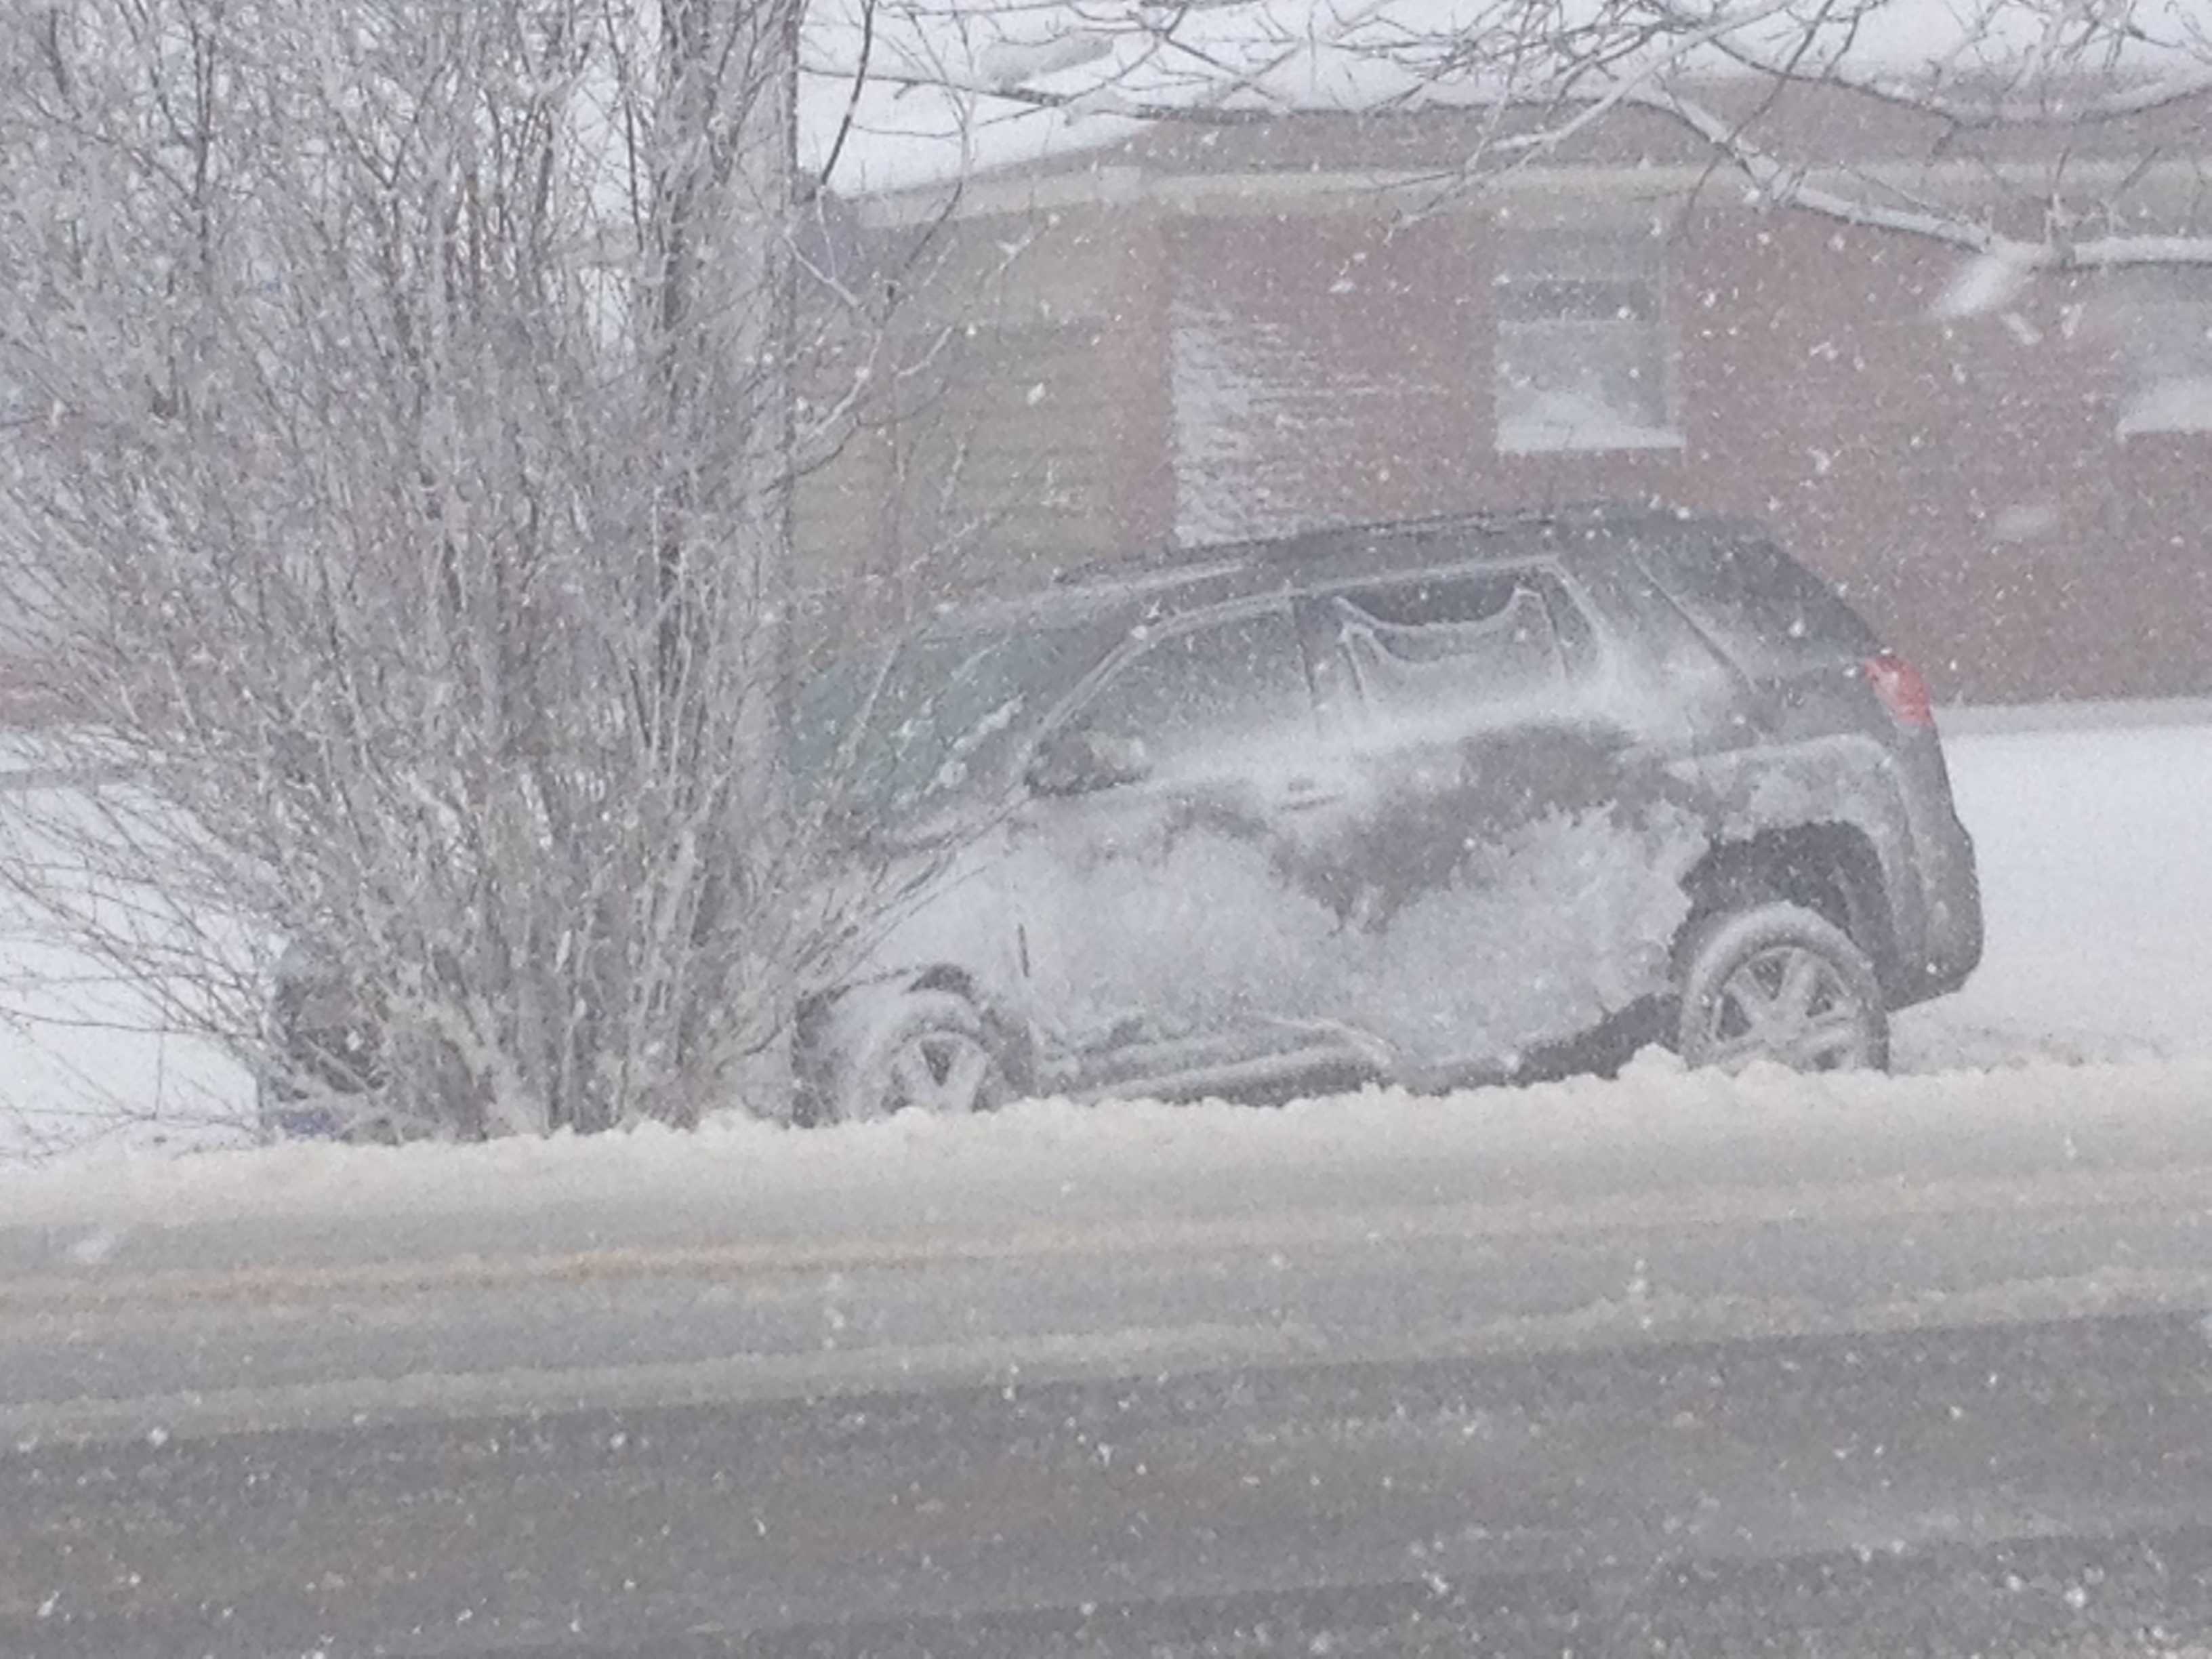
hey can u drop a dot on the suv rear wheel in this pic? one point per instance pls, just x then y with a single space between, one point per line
1778 982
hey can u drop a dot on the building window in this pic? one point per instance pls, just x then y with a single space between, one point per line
2165 323
1581 344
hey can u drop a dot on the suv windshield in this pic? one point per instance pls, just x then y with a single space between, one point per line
943 711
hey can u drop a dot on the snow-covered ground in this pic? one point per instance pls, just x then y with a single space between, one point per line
2098 890
314 1283
2094 877
82 1062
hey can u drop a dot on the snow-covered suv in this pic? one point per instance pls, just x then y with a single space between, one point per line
1461 798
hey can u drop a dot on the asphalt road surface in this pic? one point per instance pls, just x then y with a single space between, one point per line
2006 1489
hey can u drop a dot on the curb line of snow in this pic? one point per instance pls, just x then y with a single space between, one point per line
1053 1178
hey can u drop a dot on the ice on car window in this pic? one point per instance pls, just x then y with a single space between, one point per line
1451 658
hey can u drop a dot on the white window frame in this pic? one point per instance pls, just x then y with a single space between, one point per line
1567 255
2164 320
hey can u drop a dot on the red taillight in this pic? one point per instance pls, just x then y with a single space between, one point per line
1902 690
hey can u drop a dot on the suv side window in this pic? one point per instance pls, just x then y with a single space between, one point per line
1443 644
1770 614
1202 699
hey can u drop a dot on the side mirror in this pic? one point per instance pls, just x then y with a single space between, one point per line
1076 760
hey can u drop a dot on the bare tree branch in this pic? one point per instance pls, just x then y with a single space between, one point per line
1789 186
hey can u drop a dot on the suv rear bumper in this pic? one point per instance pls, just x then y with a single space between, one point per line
1951 918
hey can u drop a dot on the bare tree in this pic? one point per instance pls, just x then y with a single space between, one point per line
404 413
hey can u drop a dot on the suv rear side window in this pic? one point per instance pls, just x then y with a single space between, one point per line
1760 604
1442 644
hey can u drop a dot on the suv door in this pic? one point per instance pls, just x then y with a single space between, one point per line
1166 942
1519 856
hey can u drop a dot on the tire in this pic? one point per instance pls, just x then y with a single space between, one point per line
1778 982
927 1051
286 1114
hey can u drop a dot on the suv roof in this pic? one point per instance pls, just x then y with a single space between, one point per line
1176 582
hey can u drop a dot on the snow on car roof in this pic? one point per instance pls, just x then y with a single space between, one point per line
1178 580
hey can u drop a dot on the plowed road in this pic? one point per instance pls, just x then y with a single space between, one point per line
1868 1385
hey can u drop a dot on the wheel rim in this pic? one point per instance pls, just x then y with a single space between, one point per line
942 1072
1789 1004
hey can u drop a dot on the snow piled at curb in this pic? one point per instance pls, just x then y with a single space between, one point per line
332 1287
1656 1126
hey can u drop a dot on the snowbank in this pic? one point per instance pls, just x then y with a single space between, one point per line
325 1286
2096 886
1052 1176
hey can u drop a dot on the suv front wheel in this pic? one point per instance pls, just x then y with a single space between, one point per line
918 1050
1779 982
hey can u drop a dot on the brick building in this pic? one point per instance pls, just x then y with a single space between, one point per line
1208 333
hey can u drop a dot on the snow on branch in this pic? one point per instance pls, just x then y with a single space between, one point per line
1787 186
1546 76
2013 63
